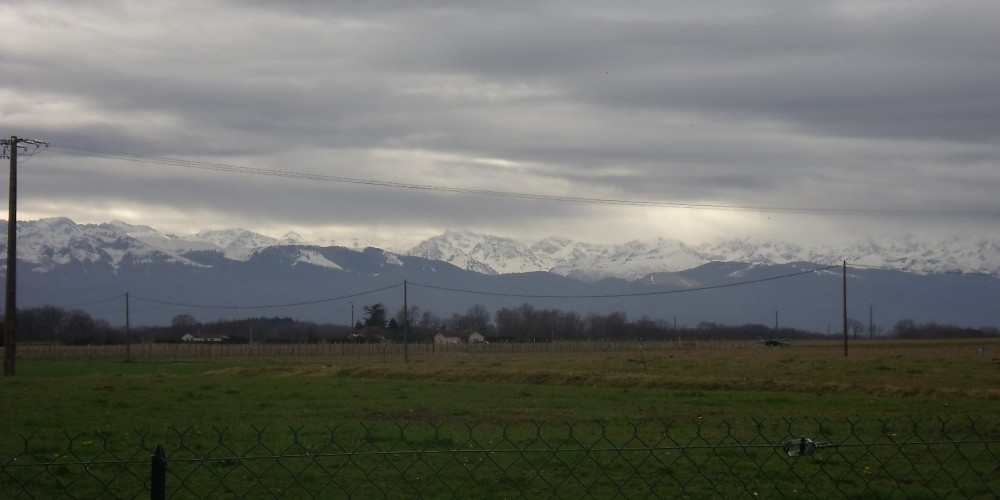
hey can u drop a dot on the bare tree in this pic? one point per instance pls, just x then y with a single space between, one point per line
183 323
856 327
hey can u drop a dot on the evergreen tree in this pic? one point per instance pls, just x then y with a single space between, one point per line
376 315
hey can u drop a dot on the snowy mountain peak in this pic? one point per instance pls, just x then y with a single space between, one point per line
454 248
236 244
636 259
60 226
59 241
563 256
293 238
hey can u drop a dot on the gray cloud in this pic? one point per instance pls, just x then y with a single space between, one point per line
878 106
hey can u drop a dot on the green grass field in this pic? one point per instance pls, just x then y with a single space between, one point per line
461 396
612 383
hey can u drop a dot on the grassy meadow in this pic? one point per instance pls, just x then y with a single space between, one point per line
240 400
594 382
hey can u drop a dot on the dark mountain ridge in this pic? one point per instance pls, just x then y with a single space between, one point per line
325 284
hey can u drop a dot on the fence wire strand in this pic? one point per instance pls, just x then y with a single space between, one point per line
748 458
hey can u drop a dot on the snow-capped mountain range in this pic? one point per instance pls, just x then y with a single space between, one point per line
636 259
235 273
55 241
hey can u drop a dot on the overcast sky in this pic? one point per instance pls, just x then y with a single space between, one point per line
708 110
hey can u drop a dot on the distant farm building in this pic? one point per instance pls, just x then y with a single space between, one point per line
209 339
459 338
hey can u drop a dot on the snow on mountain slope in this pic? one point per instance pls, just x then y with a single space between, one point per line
495 255
637 259
60 241
454 248
236 244
630 261
317 259
971 255
584 261
977 255
505 255
156 240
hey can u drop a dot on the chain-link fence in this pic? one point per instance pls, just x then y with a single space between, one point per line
741 458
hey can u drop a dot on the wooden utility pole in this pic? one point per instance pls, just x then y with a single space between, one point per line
128 341
845 308
406 327
10 304
10 148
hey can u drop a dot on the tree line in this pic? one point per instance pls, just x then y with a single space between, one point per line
524 323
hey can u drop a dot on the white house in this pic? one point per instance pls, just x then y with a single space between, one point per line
441 338
470 338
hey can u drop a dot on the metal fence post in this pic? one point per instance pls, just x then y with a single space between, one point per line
158 476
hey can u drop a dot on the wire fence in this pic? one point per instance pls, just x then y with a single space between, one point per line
389 350
740 458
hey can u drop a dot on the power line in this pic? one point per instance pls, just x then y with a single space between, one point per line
98 301
267 306
23 151
459 290
222 167
621 295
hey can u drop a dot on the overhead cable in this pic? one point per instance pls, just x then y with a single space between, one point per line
266 306
98 301
620 295
474 292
